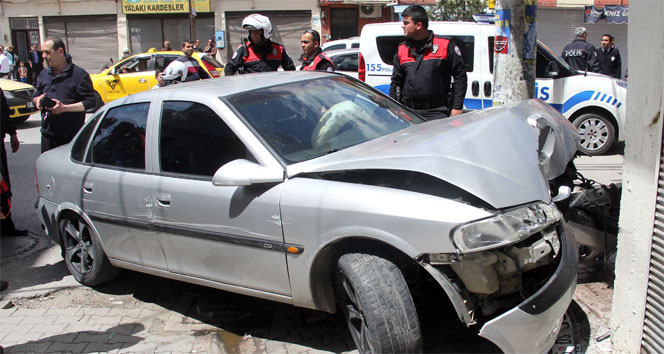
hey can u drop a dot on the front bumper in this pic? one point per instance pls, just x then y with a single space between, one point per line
532 326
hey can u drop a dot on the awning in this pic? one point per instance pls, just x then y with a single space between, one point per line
610 13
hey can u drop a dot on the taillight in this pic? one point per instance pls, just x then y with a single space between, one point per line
361 69
213 71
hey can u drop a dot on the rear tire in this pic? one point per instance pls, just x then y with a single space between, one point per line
84 257
597 133
377 304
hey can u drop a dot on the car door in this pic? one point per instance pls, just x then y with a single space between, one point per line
226 234
129 77
115 188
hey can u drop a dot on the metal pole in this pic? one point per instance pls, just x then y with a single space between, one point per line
192 21
515 51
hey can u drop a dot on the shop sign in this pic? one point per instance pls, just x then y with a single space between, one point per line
610 13
163 6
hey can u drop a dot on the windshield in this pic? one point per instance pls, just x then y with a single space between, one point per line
308 119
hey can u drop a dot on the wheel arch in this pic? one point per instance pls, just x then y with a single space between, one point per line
597 110
71 210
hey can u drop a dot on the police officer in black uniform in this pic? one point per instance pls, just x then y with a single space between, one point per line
312 56
609 59
423 67
579 54
259 54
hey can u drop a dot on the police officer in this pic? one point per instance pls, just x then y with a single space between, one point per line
312 56
579 54
259 54
423 67
609 57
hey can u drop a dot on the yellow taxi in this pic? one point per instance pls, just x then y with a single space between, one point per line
19 99
137 73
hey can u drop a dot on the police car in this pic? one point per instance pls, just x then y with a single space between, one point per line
594 103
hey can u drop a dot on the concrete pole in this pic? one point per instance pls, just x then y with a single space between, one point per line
192 21
515 51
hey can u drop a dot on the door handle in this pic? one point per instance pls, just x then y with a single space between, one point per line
487 88
475 88
142 80
163 200
87 187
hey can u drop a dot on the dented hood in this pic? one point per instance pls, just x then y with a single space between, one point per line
503 155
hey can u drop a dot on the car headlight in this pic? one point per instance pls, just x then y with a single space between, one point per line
9 94
509 227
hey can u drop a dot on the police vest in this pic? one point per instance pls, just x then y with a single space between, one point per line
438 50
275 54
317 60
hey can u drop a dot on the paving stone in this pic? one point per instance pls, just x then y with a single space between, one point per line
79 328
103 320
19 328
28 347
97 311
59 311
48 329
59 347
65 320
103 348
93 337
125 312
38 320
11 320
23 312
140 347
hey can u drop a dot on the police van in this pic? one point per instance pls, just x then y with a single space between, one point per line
594 103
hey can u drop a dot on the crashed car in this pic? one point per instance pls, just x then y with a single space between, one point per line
314 189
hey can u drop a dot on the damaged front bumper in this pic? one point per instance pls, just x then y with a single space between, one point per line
532 326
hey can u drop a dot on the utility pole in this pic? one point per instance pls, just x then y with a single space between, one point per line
192 20
515 51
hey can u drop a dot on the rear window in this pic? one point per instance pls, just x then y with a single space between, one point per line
387 48
212 61
335 47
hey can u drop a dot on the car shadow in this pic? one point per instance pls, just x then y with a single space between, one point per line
238 317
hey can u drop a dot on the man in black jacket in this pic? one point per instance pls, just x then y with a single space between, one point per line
423 67
36 62
579 54
64 92
609 57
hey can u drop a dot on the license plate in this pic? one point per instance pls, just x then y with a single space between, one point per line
29 105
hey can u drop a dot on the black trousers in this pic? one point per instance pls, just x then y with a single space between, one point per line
433 113
7 224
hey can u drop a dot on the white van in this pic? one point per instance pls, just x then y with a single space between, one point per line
594 103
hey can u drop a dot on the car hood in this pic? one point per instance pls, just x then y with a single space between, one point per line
503 155
11 85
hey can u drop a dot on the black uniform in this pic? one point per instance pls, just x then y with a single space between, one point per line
580 55
72 85
258 58
610 62
317 61
422 73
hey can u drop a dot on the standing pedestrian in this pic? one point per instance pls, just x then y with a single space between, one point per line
312 56
167 46
423 68
5 67
259 54
579 54
185 68
197 46
35 62
609 57
211 48
7 127
63 93
125 53
22 72
9 52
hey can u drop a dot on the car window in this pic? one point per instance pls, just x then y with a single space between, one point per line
345 62
81 142
355 45
134 65
212 61
120 138
388 45
544 57
194 140
162 61
308 119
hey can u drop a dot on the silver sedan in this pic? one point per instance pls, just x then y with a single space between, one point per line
316 190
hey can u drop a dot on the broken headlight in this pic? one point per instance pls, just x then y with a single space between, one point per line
509 227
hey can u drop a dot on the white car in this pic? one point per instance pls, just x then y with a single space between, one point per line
348 43
594 103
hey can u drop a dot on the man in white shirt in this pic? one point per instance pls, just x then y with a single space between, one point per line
5 66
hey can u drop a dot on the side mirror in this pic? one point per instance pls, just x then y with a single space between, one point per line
552 69
245 173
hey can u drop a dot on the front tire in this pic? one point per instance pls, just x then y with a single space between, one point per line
84 257
597 133
377 304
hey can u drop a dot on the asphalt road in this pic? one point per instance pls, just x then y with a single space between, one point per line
34 267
